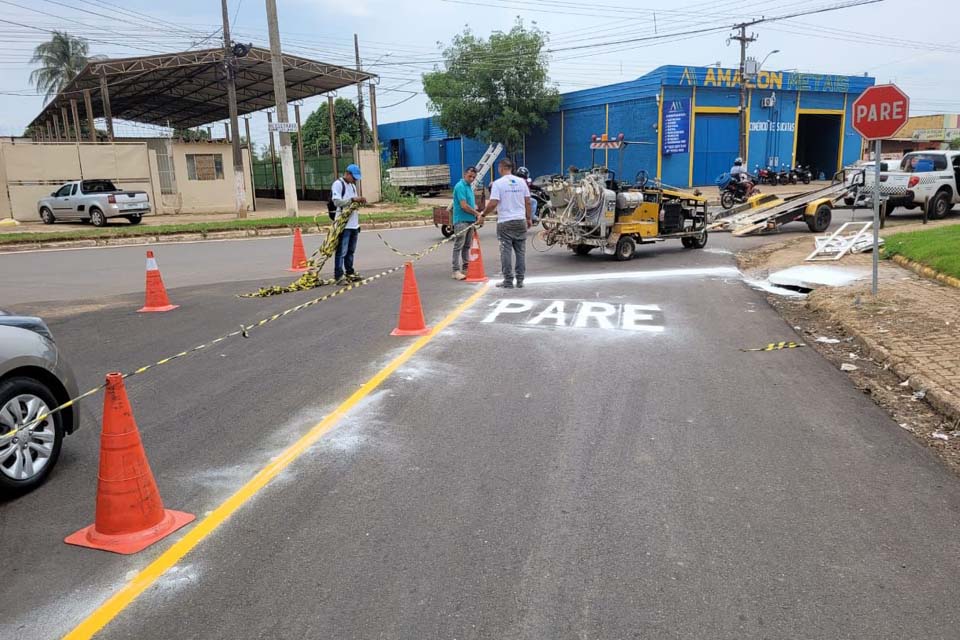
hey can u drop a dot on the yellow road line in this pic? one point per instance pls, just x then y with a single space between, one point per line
169 558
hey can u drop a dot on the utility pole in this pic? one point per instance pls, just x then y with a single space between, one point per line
280 96
229 65
356 51
744 126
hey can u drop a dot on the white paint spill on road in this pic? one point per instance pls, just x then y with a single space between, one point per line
811 277
719 252
696 272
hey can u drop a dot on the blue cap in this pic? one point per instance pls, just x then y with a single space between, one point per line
354 171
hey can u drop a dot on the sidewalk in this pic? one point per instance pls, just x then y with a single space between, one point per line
912 329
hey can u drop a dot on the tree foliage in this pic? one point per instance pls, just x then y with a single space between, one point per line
316 128
60 59
495 90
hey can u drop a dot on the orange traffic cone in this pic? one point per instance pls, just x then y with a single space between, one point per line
475 272
157 299
298 262
411 321
130 514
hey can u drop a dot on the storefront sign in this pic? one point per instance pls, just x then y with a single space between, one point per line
770 125
676 126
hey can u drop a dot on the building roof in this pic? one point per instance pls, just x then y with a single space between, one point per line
187 89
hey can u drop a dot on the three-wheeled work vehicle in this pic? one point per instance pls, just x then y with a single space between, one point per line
593 209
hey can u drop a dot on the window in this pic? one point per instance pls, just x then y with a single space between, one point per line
73 191
207 166
97 186
64 191
921 162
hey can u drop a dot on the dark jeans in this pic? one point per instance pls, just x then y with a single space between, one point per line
343 262
513 240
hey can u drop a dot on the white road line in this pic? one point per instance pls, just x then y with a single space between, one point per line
725 272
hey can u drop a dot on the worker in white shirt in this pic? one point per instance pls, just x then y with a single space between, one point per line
343 193
510 196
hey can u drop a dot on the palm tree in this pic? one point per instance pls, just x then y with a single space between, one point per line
61 59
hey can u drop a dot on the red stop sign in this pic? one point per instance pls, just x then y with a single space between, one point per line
880 111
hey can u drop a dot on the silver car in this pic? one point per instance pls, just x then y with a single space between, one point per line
93 200
34 378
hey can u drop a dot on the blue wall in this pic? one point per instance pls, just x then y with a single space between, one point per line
632 108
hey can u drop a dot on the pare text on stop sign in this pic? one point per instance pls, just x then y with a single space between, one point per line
577 314
880 112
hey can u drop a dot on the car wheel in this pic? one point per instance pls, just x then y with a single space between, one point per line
820 219
582 249
47 216
939 205
135 218
97 218
626 247
727 200
446 230
27 456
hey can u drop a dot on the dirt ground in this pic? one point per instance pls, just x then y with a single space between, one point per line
913 325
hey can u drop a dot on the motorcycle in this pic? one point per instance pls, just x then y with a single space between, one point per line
540 201
764 176
804 175
783 176
733 191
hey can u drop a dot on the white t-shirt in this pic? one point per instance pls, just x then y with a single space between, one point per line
510 193
343 190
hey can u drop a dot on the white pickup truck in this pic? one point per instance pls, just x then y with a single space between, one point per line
94 201
929 179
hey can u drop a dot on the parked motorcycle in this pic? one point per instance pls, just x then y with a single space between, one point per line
802 174
764 176
783 175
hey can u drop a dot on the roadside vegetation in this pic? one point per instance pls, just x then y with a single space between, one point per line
937 248
123 230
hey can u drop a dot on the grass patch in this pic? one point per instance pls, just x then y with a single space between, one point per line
121 230
936 248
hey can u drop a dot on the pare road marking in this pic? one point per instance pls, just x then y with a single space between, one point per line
577 314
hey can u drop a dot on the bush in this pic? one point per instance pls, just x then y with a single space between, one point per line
394 194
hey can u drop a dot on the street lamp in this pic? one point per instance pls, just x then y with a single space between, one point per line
762 62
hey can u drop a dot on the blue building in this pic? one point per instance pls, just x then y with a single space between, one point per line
685 120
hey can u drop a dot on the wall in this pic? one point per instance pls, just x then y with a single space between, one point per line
32 171
208 196
369 162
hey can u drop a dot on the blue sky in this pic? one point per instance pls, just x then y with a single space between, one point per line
398 40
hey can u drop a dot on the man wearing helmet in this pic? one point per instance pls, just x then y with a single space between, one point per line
524 174
739 173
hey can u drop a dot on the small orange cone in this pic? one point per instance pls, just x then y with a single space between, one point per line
130 514
298 263
157 299
411 313
475 272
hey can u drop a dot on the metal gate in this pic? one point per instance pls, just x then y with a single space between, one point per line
715 145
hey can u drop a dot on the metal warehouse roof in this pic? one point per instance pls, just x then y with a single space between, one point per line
188 89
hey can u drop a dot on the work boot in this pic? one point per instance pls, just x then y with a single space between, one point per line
506 284
519 283
354 277
458 275
342 281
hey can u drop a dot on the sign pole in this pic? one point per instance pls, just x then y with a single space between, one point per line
876 215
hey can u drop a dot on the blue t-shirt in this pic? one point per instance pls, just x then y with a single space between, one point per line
463 191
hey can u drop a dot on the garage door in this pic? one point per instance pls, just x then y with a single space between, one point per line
715 145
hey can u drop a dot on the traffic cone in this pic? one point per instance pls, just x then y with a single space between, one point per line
298 263
411 321
475 272
130 514
157 299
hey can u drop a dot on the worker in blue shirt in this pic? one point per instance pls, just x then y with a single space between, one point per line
464 214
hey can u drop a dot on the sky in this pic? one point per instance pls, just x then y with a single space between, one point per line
401 39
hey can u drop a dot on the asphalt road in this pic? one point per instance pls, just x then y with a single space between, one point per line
638 476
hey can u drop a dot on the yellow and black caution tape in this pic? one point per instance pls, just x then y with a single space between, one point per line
243 331
777 346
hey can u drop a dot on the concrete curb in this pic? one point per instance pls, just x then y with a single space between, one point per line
939 398
926 272
193 237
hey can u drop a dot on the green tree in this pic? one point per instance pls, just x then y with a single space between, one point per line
495 90
60 59
192 135
955 143
316 128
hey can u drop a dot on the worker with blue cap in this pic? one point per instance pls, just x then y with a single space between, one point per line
343 193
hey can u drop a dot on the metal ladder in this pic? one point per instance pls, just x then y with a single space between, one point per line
486 162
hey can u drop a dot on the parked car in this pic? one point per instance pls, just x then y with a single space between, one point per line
868 167
95 201
925 178
34 378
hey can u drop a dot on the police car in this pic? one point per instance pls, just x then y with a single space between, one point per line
925 178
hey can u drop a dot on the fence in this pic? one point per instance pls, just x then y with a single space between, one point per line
318 169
